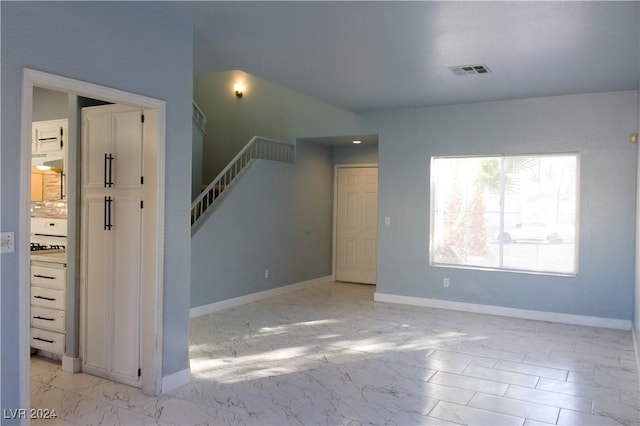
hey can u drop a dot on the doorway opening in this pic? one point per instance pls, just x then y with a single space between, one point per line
152 247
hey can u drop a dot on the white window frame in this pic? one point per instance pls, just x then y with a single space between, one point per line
432 218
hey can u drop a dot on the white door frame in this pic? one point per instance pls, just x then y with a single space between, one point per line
151 327
336 167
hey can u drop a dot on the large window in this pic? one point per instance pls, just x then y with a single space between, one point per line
515 213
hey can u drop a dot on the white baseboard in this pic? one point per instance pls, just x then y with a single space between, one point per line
254 297
70 364
636 348
176 380
505 312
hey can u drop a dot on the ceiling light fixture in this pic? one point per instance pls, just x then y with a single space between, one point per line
357 142
43 168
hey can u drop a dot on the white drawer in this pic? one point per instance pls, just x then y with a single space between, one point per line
47 341
49 226
48 277
49 319
47 298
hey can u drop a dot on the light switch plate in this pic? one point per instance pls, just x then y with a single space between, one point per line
7 242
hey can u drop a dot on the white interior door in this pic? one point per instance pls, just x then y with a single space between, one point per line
356 224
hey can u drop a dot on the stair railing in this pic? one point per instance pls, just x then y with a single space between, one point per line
199 117
258 148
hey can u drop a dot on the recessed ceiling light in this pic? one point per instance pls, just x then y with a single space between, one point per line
357 142
470 69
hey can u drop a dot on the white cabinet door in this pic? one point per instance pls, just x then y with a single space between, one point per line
127 149
112 142
97 276
50 136
96 143
112 242
125 285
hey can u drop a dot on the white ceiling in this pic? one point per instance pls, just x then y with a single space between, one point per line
366 56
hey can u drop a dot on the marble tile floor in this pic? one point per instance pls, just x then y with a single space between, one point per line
330 355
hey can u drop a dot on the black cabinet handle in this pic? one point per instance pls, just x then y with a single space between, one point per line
108 166
43 318
107 213
44 298
110 183
46 277
62 186
47 139
43 340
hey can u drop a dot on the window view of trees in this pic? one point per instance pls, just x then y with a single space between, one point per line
515 213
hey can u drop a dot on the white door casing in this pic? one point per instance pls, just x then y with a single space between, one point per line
153 227
356 224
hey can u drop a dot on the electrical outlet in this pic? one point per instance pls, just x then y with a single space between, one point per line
387 220
266 273
7 242
445 283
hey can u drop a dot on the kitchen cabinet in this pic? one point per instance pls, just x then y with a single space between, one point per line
48 288
113 158
112 216
49 148
49 137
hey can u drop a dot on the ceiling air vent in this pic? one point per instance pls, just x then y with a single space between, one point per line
470 69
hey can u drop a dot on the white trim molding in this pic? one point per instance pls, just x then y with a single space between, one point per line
254 297
70 364
152 329
176 380
614 323
636 348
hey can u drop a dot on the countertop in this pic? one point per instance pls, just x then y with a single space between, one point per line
54 257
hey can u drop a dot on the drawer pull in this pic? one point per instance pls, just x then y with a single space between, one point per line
44 276
44 318
44 298
43 340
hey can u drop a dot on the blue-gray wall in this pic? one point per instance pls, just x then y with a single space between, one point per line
636 316
49 105
120 45
636 304
278 217
595 125
355 154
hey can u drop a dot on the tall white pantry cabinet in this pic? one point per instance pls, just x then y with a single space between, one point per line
112 214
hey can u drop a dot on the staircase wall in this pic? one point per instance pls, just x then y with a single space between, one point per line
266 109
278 216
